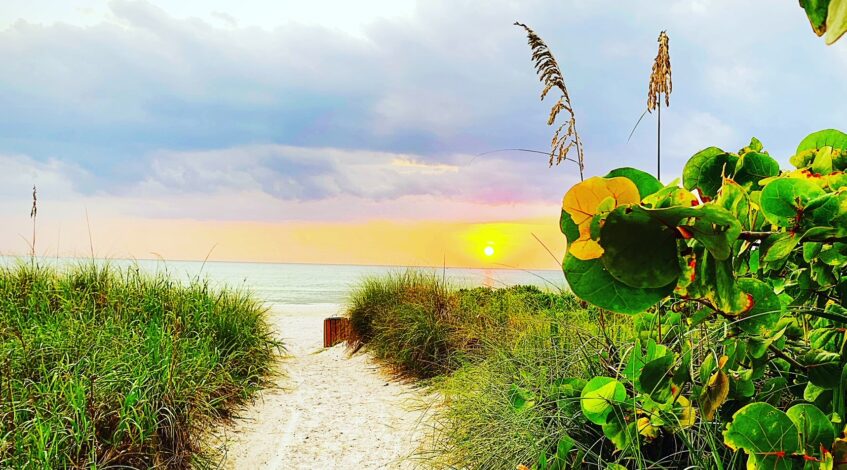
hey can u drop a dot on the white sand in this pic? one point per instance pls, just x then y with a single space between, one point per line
330 412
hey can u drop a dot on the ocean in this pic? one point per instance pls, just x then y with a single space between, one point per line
286 285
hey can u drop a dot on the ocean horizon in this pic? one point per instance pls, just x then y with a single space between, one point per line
294 284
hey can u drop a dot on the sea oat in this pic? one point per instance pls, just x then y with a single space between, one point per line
566 136
660 79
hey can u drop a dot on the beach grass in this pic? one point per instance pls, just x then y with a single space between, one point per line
108 367
421 326
495 358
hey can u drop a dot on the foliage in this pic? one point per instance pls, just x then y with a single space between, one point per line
827 17
112 368
422 327
511 406
744 268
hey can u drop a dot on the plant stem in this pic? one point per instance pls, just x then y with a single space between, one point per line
659 143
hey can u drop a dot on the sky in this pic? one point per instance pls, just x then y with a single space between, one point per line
352 132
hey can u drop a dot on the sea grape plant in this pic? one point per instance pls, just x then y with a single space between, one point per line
744 266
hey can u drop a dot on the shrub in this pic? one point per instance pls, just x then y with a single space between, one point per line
737 283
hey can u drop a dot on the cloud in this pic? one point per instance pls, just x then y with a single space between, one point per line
309 173
144 103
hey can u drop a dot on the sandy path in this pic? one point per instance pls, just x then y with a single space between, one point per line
330 412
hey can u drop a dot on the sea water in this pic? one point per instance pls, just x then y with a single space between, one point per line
284 285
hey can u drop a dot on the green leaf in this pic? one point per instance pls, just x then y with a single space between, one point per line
824 367
808 148
736 201
714 226
590 281
646 183
816 11
726 294
822 164
655 378
568 227
753 167
619 432
811 250
759 345
639 250
827 209
563 448
836 21
815 428
766 434
780 245
521 399
773 390
600 397
784 199
706 169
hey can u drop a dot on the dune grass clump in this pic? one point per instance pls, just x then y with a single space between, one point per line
506 365
423 327
106 367
516 404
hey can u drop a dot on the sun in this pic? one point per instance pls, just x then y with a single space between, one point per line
489 250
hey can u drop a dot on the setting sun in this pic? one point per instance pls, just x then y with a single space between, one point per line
489 250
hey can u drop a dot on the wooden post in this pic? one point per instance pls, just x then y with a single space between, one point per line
336 330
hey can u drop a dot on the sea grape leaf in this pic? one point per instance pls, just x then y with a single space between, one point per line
584 201
706 170
590 281
836 21
727 294
828 209
568 227
736 201
754 146
764 433
823 367
714 226
646 183
766 311
780 245
714 394
759 344
784 200
814 427
816 11
639 250
809 146
599 398
620 433
655 378
686 414
773 390
753 167
822 164
520 398
708 366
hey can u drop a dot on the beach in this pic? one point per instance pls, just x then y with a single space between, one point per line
329 410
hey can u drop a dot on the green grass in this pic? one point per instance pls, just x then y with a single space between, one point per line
422 327
495 358
103 367
498 362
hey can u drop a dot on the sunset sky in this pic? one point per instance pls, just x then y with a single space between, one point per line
349 132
